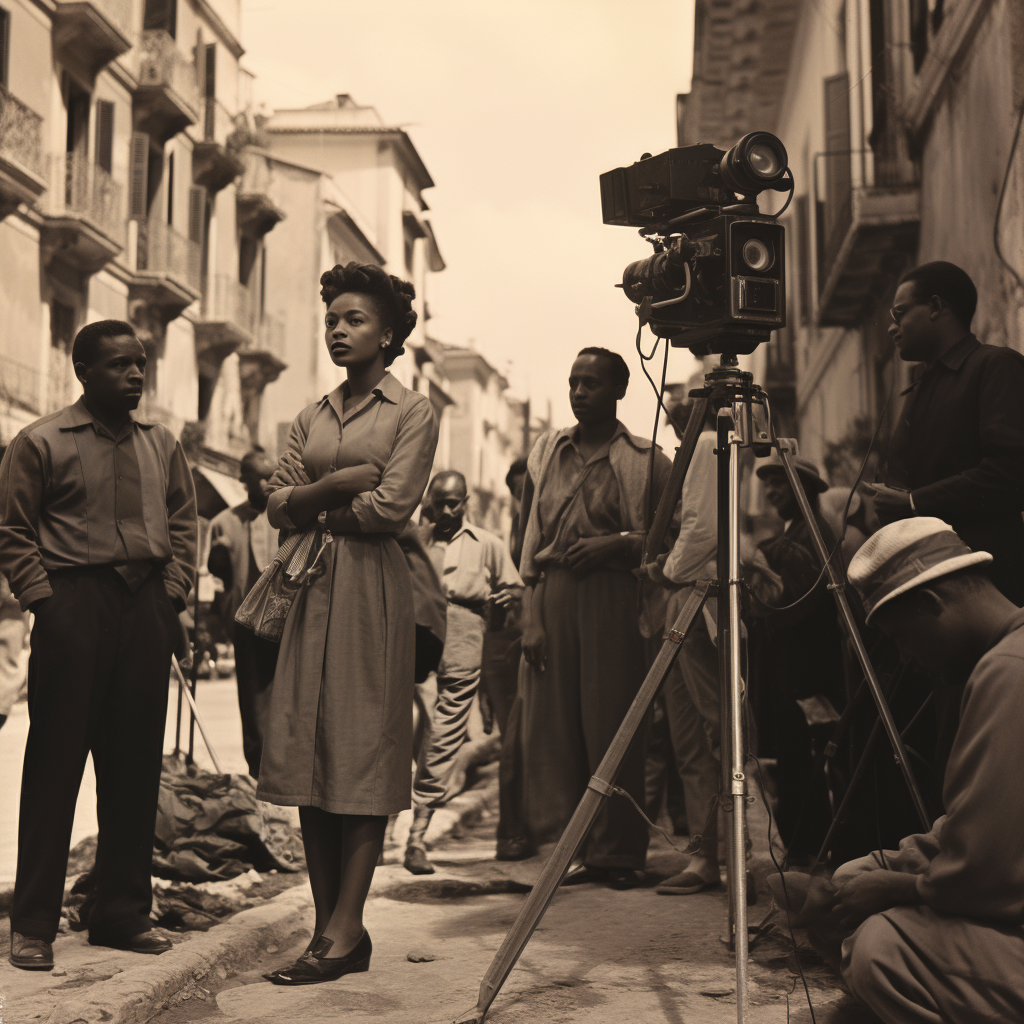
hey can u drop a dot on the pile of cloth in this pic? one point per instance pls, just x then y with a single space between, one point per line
210 828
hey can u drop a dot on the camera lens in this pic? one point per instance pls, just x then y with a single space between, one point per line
757 255
764 160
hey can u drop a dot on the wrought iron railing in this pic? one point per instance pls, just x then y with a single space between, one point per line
62 387
221 126
21 385
163 250
163 65
21 133
82 189
227 301
269 335
836 176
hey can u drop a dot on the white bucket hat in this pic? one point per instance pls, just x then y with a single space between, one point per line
908 554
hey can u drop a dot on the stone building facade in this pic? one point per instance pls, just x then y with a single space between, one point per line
129 189
900 118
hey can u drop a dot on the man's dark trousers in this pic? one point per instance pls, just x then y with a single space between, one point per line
255 664
98 681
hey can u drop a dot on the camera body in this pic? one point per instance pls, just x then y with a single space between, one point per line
717 280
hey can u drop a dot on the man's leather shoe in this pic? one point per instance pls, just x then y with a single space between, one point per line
416 861
30 954
514 849
145 942
624 878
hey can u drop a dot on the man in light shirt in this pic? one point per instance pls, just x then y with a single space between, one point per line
476 571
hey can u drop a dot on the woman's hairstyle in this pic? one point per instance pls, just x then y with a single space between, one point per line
392 298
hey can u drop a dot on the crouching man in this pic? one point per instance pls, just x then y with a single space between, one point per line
939 924
98 538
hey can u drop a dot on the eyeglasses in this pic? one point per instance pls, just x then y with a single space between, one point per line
899 312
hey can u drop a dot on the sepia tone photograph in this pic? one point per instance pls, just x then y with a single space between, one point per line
511 511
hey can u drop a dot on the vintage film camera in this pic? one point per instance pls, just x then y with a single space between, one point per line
717 280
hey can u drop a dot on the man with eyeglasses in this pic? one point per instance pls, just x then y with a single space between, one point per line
957 450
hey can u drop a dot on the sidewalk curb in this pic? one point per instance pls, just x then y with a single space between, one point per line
136 995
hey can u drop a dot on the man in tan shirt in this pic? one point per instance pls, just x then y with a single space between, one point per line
476 570
98 537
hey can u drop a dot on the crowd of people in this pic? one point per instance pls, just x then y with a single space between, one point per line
553 631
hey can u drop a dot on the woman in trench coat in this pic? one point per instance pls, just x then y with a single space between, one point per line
339 728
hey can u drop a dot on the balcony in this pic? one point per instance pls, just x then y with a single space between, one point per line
225 324
85 225
262 361
866 230
167 269
167 99
89 35
257 213
216 160
22 169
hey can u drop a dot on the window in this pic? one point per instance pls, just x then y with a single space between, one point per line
161 14
5 46
170 188
105 135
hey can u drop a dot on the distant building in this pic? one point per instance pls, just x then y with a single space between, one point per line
485 431
899 117
352 187
127 191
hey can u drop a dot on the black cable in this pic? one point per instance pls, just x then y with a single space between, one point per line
846 516
785 890
785 205
644 359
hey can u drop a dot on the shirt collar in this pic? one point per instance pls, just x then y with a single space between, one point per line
570 434
957 355
78 415
466 527
388 389
953 359
1012 622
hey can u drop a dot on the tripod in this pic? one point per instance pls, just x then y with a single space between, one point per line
733 393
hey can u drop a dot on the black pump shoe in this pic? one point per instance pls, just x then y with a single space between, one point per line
315 966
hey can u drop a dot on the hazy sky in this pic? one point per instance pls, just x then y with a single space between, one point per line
516 107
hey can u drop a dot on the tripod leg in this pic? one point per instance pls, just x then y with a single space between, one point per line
849 625
734 746
599 789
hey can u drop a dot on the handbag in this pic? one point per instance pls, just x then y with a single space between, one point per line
296 564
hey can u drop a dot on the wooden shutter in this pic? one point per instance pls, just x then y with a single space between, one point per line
170 188
105 135
138 194
210 80
199 59
197 214
803 257
838 160
5 46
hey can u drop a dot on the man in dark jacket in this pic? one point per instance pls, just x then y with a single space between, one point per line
957 450
802 657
